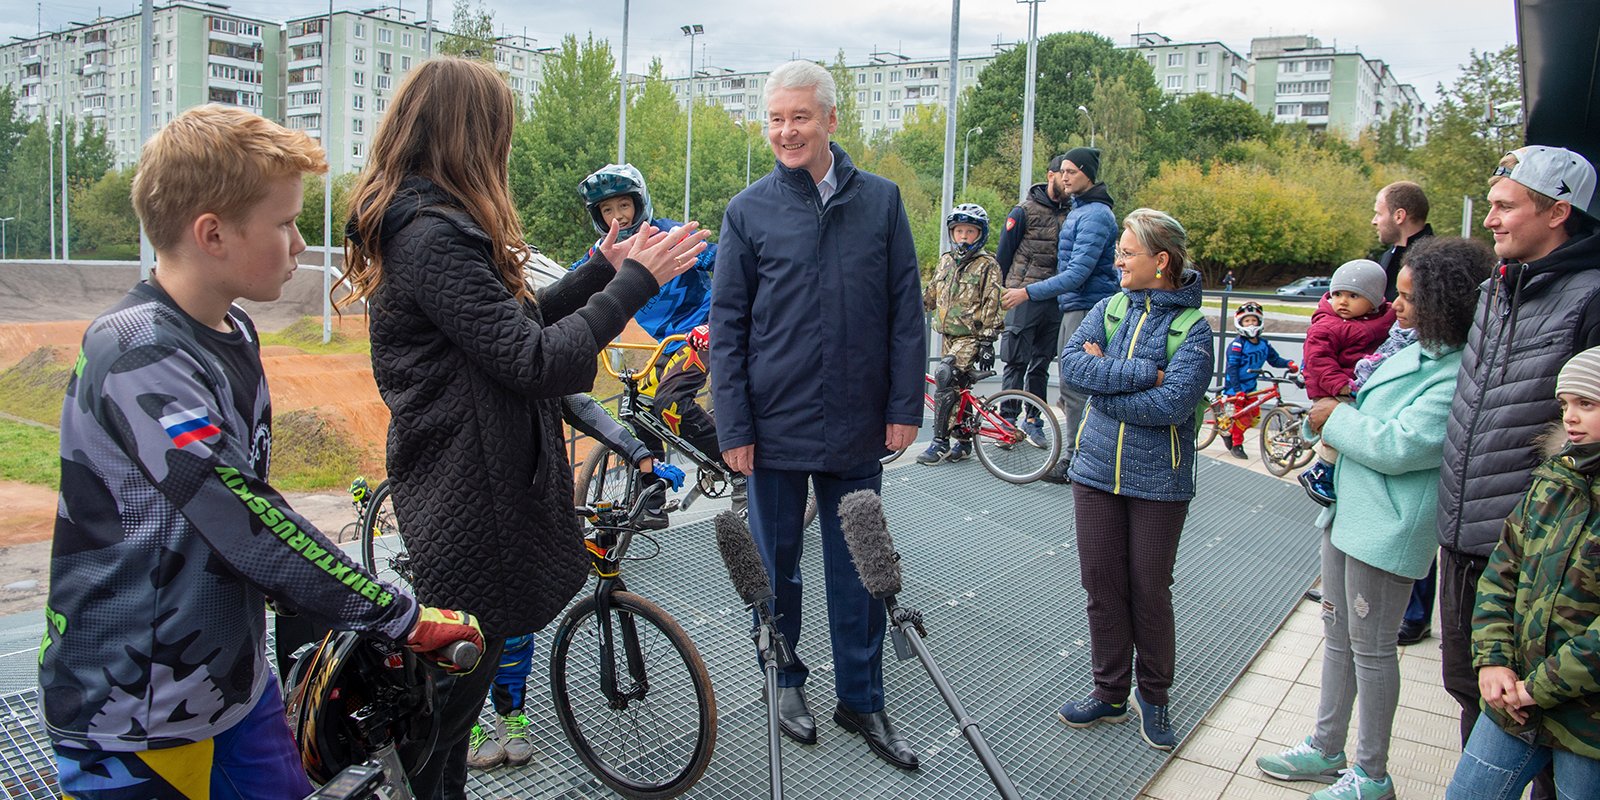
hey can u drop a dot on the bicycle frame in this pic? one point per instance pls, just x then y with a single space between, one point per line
990 425
628 412
611 531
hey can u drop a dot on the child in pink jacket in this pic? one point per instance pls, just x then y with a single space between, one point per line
1350 322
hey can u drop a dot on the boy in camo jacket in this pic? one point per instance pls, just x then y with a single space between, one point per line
1536 627
964 297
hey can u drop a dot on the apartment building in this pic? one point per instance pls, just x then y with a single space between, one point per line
887 87
370 51
1184 68
199 53
1297 79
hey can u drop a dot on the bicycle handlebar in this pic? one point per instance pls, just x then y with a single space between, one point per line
633 513
655 354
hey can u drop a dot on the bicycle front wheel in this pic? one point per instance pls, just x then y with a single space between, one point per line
1282 448
656 737
383 549
1212 424
605 477
1005 447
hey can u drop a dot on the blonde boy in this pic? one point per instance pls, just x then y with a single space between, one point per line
169 539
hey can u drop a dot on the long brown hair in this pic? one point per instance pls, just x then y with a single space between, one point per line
449 122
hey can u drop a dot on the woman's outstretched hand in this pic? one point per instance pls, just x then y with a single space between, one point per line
667 254
613 250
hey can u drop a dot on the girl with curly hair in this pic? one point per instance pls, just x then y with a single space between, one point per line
1379 535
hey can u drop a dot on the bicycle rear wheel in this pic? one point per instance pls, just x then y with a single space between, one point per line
383 549
1004 447
1282 448
658 742
605 477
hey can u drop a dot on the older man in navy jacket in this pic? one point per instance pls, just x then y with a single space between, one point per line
817 360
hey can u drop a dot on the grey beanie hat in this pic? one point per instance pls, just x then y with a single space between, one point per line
1362 276
1581 375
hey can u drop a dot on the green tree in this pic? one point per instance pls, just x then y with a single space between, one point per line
310 219
920 142
1119 133
849 135
27 195
1463 145
471 32
1069 65
1203 128
102 215
571 131
13 126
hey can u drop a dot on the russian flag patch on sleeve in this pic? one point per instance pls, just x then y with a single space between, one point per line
193 425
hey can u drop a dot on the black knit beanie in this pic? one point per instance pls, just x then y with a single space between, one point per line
1087 160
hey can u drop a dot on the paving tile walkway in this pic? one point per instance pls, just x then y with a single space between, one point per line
1273 706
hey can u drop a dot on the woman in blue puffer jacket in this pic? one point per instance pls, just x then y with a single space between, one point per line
1133 475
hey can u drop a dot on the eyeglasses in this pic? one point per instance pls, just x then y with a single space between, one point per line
1124 255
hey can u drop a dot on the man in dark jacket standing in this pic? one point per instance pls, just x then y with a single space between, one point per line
1400 214
1027 255
1086 273
817 368
1541 307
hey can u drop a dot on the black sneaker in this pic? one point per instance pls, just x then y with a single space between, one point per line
1411 633
935 453
1237 451
1057 473
653 519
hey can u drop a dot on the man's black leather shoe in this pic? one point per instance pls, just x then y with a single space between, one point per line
794 716
885 741
1413 633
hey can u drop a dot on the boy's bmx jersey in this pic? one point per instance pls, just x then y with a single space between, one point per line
168 539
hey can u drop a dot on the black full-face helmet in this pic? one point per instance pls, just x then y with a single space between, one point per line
347 674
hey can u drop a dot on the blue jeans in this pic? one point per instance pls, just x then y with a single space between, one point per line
1498 765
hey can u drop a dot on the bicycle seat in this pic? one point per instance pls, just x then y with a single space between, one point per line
979 375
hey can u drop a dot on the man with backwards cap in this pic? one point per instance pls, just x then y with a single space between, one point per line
1539 308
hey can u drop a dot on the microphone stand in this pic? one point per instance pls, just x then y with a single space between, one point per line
907 634
775 653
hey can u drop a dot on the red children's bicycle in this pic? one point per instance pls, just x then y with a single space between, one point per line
994 425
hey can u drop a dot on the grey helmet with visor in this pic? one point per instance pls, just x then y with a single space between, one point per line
613 180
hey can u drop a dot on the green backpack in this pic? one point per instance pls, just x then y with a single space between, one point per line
1117 309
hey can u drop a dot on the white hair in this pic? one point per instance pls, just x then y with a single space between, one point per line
802 75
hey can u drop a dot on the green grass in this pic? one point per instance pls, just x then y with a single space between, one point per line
29 454
34 388
308 454
306 335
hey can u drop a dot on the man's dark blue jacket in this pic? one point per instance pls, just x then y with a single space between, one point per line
816 320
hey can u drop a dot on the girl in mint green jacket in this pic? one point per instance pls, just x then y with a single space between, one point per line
1379 536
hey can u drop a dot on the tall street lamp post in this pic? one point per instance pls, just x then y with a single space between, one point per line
1027 97
690 31
622 96
1084 110
3 221
967 145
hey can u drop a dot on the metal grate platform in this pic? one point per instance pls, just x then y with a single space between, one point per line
993 568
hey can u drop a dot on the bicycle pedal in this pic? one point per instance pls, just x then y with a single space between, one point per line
669 506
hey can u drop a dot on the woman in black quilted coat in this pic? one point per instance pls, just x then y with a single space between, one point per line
472 363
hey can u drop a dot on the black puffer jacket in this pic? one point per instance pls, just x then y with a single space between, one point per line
1531 318
473 379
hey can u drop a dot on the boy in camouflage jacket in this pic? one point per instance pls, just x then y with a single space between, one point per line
964 297
1536 627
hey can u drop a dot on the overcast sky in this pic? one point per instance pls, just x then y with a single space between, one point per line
1424 41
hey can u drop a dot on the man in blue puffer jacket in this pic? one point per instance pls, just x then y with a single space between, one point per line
1086 272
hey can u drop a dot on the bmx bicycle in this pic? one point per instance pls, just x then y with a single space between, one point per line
608 477
1282 446
990 423
630 690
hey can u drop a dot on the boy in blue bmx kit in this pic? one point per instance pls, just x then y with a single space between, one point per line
169 540
1247 354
